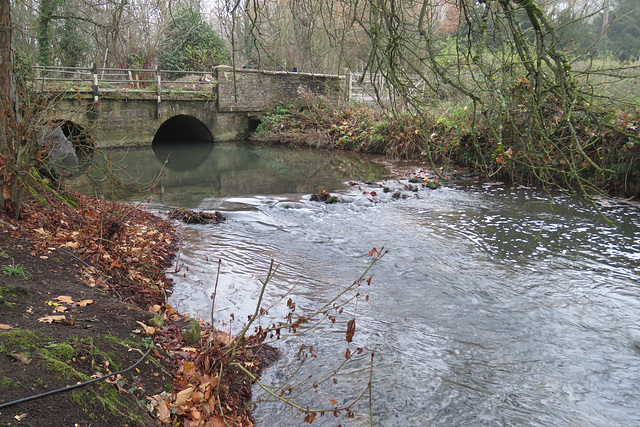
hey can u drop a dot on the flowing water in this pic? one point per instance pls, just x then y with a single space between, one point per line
493 306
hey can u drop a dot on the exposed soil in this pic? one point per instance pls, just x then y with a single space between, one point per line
37 356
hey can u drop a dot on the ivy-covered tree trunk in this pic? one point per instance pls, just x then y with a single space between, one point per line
7 183
18 143
46 9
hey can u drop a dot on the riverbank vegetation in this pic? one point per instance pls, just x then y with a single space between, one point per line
499 86
540 92
598 153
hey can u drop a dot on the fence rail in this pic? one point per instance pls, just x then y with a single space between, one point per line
106 80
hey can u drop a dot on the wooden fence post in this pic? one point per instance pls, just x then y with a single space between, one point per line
348 84
94 86
159 90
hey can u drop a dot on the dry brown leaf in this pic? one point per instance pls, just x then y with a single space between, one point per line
183 396
188 366
149 330
164 414
51 319
64 299
73 245
60 309
3 326
21 358
351 329
509 153
86 302
217 421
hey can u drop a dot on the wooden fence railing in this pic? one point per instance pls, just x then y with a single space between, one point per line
106 80
111 81
121 81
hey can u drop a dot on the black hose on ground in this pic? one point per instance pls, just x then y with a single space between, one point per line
71 387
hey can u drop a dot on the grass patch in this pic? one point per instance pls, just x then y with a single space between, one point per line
16 270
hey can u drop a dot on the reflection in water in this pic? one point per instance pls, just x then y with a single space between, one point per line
183 156
198 171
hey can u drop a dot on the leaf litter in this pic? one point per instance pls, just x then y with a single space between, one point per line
124 251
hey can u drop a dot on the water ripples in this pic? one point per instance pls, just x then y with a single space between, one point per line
493 306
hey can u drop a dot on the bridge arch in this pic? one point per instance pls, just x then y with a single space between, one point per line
182 128
183 142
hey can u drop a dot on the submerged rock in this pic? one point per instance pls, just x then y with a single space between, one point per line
191 217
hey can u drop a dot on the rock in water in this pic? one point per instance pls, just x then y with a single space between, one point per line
60 158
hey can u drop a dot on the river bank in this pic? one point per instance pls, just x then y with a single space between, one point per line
83 295
599 155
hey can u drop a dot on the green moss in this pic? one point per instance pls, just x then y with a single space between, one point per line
192 333
69 199
7 383
156 321
331 200
108 397
110 339
18 340
62 351
84 398
38 199
66 198
64 369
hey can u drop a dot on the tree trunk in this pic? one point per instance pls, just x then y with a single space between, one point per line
6 105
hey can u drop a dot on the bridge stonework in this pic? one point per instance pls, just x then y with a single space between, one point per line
128 118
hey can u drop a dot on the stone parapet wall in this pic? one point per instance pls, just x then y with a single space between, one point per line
257 90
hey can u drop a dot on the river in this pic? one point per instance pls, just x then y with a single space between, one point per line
494 305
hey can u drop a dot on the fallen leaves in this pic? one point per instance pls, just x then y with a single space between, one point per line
122 247
21 358
183 396
207 392
70 303
149 330
64 299
124 251
51 319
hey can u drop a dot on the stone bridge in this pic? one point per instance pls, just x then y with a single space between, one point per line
226 105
